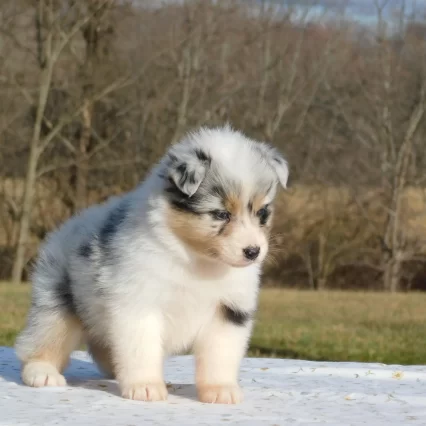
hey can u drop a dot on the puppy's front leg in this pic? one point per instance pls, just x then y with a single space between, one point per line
219 350
138 356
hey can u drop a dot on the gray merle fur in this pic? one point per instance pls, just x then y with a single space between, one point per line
183 202
202 156
64 294
114 220
86 250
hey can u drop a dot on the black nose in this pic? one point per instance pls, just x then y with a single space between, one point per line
251 252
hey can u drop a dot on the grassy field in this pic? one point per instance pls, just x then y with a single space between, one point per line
335 326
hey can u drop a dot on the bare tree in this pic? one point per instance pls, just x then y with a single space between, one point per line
384 119
51 40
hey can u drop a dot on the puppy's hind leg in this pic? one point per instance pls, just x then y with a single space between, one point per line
101 354
45 345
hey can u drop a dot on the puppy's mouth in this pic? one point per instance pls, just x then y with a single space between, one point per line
243 263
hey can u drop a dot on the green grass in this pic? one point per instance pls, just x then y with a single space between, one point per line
342 326
334 326
14 304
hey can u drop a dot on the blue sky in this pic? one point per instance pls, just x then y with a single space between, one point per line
363 11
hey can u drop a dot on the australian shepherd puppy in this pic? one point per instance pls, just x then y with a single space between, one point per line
170 267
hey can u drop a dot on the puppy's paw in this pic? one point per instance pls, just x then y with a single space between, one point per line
145 391
220 394
38 374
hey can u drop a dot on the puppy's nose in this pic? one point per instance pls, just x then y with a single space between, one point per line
251 252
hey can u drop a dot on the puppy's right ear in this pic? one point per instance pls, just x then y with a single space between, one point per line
188 169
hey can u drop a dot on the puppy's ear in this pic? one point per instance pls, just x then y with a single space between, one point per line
188 169
277 162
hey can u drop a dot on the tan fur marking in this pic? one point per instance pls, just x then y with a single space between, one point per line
258 201
233 204
103 357
219 394
201 232
191 230
58 343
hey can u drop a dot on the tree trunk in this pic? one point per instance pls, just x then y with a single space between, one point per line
25 220
186 82
31 177
394 244
392 275
82 162
321 283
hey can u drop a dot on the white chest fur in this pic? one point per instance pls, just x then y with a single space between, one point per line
186 299
185 313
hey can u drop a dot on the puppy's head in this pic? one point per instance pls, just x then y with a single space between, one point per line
220 188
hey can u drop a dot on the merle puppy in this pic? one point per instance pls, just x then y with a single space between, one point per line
171 266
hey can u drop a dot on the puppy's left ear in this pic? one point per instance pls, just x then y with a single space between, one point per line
277 162
188 169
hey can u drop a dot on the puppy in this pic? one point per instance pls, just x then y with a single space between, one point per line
172 266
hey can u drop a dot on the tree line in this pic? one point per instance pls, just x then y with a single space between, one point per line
93 93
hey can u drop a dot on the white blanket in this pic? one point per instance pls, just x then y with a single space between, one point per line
277 392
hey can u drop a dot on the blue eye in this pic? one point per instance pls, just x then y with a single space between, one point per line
222 215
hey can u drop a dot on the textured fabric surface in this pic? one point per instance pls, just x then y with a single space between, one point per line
277 392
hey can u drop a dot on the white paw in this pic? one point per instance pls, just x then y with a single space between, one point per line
145 391
220 394
39 374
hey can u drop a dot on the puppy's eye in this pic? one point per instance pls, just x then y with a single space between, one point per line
221 215
263 215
